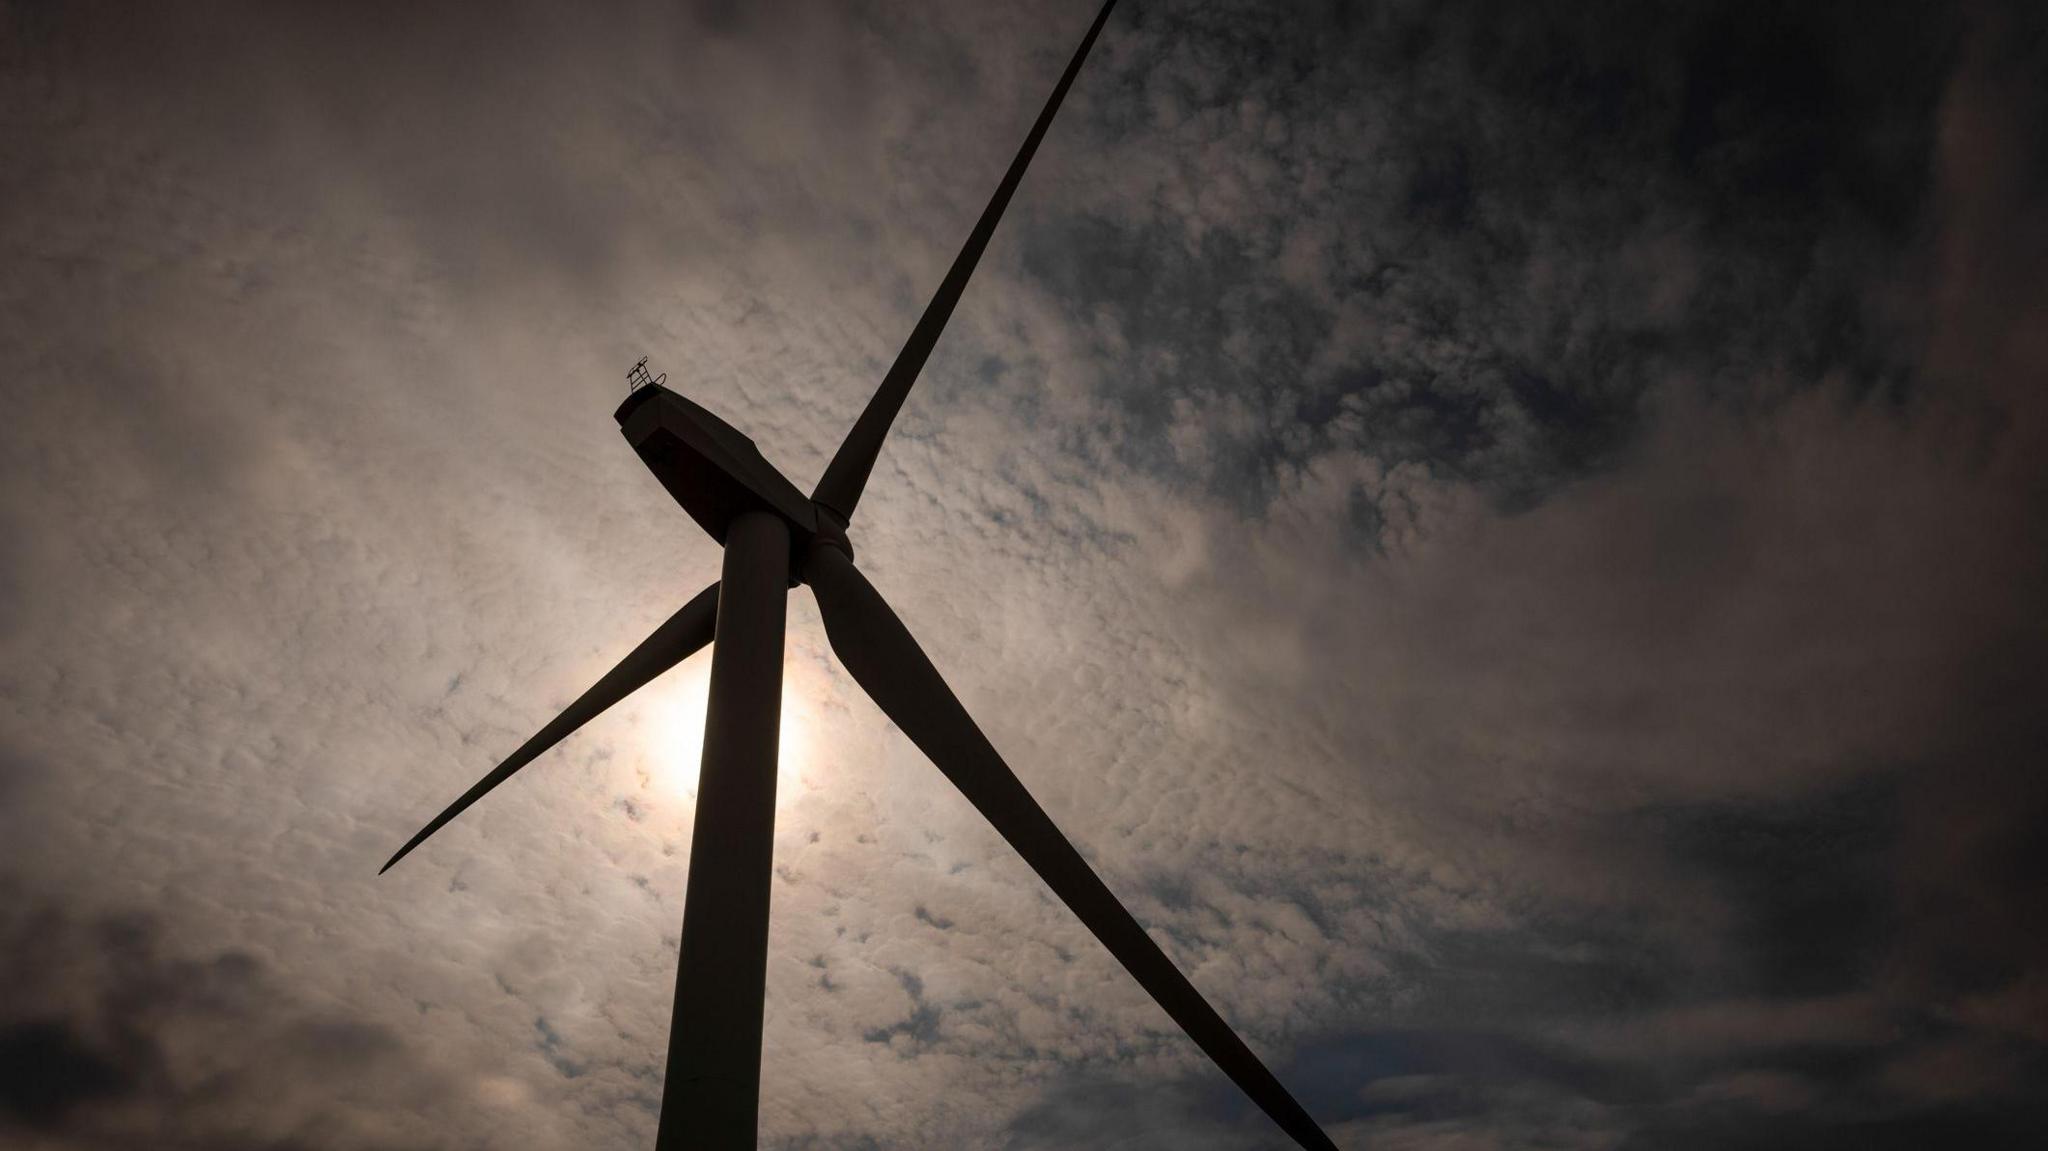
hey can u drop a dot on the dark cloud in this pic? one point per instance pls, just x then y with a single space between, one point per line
1329 217
1809 886
51 1071
109 1039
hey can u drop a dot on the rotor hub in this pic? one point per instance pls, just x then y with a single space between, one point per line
831 533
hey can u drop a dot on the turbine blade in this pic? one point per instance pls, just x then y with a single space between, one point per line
845 477
670 644
880 654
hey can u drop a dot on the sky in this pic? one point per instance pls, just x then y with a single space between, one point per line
1507 533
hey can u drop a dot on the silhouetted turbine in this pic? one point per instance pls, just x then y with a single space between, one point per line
774 538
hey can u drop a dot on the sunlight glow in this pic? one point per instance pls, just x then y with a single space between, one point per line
675 734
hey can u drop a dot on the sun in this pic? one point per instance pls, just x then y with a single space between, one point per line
674 746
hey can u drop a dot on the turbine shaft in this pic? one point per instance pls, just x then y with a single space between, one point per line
670 644
711 1089
880 654
839 489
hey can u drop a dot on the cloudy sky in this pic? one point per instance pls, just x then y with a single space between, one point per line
1508 533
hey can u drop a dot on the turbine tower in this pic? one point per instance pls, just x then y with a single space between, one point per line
774 538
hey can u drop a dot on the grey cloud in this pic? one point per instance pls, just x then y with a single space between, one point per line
110 1040
1600 212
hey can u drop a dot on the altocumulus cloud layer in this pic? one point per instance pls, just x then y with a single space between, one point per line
1508 534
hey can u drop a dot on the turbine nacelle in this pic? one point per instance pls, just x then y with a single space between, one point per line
714 470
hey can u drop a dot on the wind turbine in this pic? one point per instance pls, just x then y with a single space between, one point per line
774 539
